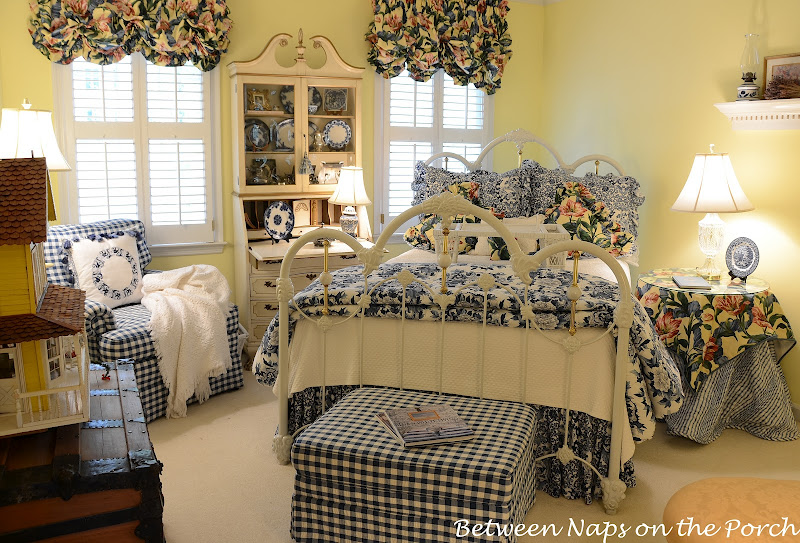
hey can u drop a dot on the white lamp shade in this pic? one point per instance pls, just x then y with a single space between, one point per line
350 190
26 133
712 187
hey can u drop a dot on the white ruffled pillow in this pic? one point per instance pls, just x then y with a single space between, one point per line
107 268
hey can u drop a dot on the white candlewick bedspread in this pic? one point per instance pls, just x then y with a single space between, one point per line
188 307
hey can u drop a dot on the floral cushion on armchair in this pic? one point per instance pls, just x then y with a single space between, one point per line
587 219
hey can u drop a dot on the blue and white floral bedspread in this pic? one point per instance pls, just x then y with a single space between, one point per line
654 384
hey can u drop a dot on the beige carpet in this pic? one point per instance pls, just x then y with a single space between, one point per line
222 484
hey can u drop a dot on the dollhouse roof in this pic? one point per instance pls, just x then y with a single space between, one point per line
23 201
59 314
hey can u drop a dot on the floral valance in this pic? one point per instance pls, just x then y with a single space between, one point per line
166 32
469 39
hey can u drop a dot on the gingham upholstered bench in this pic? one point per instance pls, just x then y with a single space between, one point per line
355 482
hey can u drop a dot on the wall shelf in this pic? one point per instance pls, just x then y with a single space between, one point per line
763 114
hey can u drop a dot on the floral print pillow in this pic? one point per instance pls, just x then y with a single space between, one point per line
621 195
421 235
587 219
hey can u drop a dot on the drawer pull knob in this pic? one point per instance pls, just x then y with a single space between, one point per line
347 257
269 284
269 307
311 276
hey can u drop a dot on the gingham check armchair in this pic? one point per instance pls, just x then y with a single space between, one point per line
121 332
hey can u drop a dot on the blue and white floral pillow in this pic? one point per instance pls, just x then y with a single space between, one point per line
507 194
107 268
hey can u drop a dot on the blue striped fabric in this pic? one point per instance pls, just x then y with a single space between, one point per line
355 482
748 393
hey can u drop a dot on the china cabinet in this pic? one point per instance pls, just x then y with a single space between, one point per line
295 123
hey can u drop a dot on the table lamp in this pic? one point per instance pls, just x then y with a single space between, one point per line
350 192
26 133
712 188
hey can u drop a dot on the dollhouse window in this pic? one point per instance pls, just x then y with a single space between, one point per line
7 356
54 358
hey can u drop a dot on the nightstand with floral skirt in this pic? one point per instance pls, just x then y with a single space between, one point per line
728 340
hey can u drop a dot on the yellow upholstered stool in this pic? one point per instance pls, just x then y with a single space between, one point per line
735 509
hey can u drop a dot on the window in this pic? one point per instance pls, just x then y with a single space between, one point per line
140 140
419 120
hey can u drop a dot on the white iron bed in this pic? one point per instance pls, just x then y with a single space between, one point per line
337 346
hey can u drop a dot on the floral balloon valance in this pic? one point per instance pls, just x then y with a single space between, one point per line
469 39
166 32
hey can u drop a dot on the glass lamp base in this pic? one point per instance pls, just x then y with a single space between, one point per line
710 236
709 270
349 221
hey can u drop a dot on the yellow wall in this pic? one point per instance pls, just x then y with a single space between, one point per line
631 79
638 80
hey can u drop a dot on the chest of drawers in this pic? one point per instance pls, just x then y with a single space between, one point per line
264 270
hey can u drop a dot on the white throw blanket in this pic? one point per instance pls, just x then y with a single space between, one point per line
189 307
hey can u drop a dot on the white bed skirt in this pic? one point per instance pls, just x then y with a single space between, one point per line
384 347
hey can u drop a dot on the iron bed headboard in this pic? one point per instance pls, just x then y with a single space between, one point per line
519 138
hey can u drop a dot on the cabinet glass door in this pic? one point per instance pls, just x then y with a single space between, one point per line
269 134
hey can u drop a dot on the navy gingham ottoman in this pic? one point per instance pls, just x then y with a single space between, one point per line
355 482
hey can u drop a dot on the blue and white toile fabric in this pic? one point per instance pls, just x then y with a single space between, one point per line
654 384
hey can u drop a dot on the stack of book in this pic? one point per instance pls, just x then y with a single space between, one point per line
426 425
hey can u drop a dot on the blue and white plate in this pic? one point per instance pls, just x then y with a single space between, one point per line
742 257
287 99
337 134
335 100
283 134
279 220
256 135
314 99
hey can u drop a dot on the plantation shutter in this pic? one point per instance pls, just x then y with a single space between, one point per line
143 147
422 119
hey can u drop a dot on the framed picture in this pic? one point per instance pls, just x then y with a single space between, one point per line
257 100
787 66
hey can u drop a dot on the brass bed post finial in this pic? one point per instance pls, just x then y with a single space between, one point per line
446 248
597 167
325 245
519 157
573 296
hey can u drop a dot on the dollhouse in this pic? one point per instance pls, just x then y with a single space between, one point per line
43 370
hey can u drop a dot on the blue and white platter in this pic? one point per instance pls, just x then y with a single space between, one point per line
283 134
337 134
279 220
287 99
